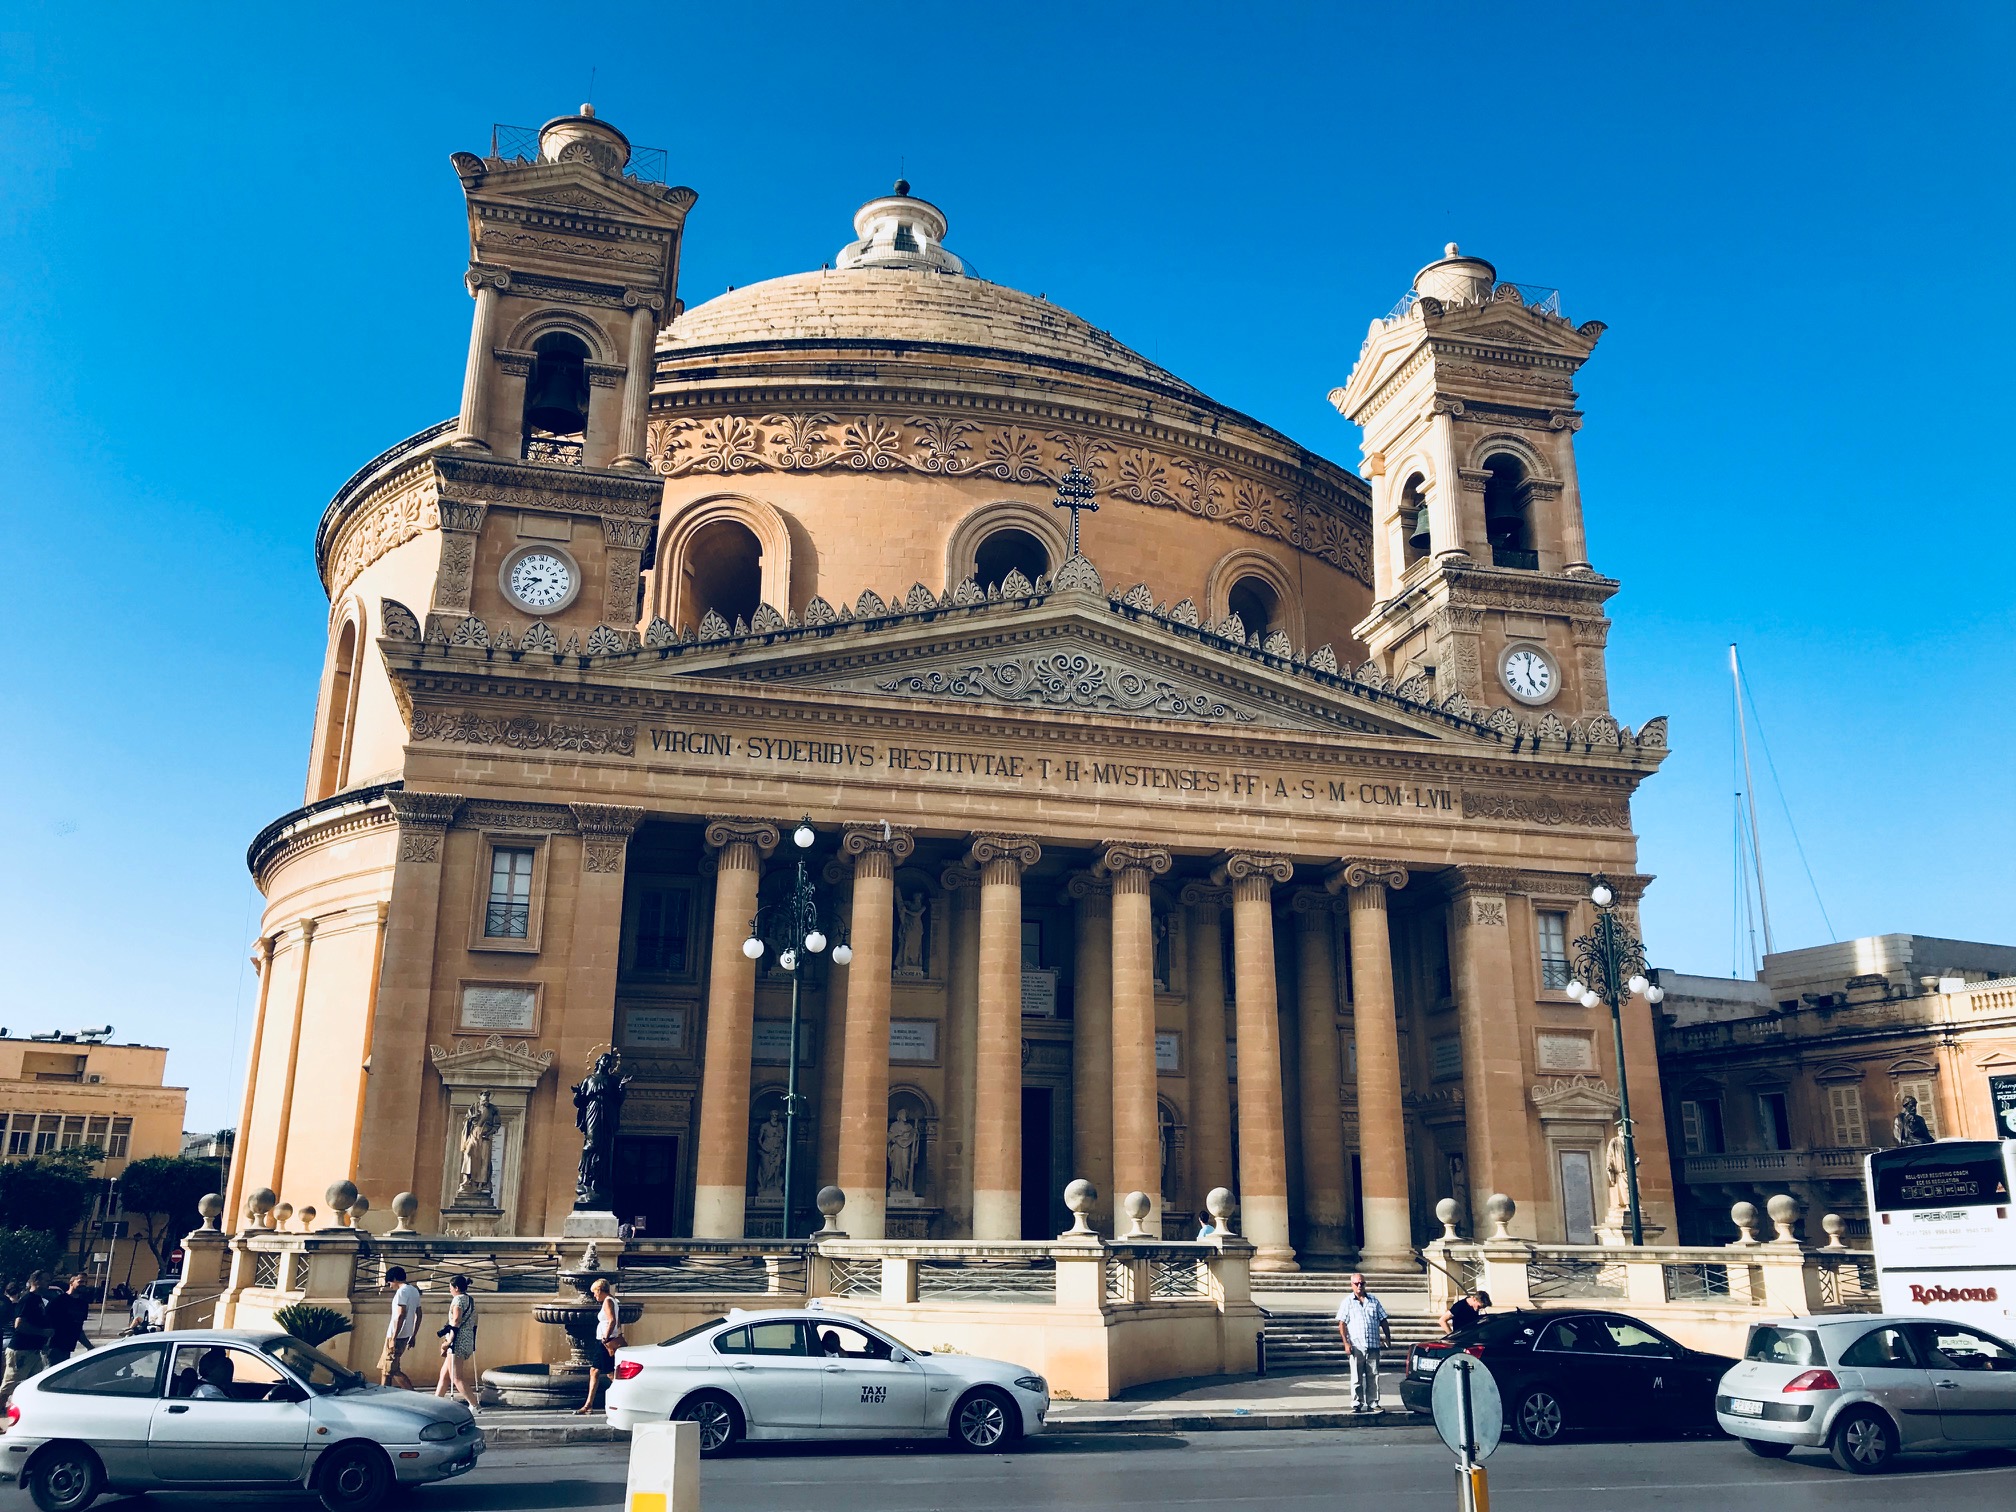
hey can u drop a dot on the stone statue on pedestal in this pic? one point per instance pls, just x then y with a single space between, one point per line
598 1106
770 1156
480 1126
903 1154
1910 1127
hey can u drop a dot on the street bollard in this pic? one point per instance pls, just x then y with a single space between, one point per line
664 1468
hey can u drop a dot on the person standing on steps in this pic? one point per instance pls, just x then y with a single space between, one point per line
1363 1326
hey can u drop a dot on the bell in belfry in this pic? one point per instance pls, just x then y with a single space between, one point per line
556 396
1418 537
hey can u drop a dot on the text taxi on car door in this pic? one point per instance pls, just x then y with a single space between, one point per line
812 1374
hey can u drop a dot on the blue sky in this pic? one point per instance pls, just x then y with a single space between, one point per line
230 253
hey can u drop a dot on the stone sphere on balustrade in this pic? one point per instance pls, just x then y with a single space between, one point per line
1834 1225
340 1196
1219 1204
282 1213
210 1207
404 1207
358 1209
1447 1213
830 1201
1499 1209
1080 1195
1743 1215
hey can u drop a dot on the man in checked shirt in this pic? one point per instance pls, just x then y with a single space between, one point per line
1362 1324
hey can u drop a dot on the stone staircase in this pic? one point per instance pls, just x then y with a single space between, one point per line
1301 1308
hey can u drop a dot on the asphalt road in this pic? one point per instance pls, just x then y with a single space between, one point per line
1363 1470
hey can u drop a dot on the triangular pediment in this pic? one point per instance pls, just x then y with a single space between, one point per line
1073 653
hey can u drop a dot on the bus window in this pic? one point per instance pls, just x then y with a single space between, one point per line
1932 1176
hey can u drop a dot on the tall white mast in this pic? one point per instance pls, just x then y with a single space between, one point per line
1750 790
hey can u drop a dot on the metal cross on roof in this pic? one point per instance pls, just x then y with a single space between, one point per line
1074 492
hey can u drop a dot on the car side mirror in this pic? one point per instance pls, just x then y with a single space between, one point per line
898 1357
286 1391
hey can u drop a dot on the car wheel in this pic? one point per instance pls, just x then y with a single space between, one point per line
985 1420
1540 1419
719 1421
65 1478
353 1478
1765 1449
1863 1442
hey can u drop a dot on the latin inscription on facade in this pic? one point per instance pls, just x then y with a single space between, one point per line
1079 775
514 1010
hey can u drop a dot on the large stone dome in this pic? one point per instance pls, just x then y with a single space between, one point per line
865 307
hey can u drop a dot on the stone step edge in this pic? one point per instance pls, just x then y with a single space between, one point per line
508 1436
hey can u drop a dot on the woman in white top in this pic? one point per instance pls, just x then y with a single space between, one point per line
608 1339
458 1343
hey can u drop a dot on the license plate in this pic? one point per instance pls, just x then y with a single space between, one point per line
1744 1407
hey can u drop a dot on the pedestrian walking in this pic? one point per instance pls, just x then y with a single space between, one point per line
69 1311
458 1343
27 1341
1365 1330
401 1329
608 1339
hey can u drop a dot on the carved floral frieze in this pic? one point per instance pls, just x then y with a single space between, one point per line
524 733
1067 680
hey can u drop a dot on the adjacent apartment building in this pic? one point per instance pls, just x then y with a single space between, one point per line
65 1091
1784 1083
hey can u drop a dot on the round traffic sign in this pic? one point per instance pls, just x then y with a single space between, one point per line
1460 1375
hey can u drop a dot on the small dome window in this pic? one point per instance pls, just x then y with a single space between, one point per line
1256 603
723 571
1009 550
905 240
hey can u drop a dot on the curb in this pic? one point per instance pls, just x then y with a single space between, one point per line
530 1436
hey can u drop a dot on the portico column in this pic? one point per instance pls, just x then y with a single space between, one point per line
721 1160
962 1016
1137 1134
997 1049
1263 1145
1209 1086
1494 1066
1092 1039
472 431
1321 1068
864 1095
636 388
1388 1240
833 1039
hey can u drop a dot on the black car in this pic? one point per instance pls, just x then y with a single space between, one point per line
1562 1372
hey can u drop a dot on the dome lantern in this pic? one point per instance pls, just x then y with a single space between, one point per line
898 230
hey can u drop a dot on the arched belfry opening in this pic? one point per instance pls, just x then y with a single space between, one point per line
1508 513
1414 531
1008 551
722 571
556 395
1256 603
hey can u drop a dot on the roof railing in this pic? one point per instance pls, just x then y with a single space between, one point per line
520 144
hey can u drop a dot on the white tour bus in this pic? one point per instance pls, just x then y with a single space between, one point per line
1943 1229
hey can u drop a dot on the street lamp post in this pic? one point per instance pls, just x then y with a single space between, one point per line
1610 967
791 926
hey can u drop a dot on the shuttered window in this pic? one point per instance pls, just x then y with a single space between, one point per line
1844 1115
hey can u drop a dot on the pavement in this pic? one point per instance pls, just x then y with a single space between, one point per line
1212 1404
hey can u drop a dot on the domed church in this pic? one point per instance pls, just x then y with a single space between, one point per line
927 749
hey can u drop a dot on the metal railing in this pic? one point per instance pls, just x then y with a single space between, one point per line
1033 1280
1848 1282
854 1278
1561 1278
1510 556
555 449
1696 1283
520 144
756 1275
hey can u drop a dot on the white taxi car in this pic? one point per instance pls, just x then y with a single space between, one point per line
1868 1388
225 1409
813 1374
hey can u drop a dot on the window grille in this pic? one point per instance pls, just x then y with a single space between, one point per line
509 916
1553 950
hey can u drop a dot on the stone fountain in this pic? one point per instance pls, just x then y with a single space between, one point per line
564 1384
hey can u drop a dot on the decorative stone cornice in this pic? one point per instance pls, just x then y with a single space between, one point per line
1579 1098
1546 809
496 1062
1365 871
1481 879
423 819
523 733
556 818
733 831
605 835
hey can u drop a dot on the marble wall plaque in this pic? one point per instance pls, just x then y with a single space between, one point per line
1039 994
772 1036
1445 1058
1169 1051
510 1010
654 1029
913 1041
1564 1052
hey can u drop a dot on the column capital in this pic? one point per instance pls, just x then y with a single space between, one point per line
1204 895
959 878
1021 849
423 819
878 838
1246 866
605 835
1119 856
1498 880
1311 901
1088 886
1366 871
725 830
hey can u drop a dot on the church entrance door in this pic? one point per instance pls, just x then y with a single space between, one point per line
647 1183
1037 1198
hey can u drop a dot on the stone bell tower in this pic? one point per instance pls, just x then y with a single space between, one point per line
547 498
1466 396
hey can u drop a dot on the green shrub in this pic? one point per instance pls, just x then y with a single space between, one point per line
23 1250
310 1324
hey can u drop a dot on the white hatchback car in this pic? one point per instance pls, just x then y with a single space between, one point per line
225 1409
1870 1388
811 1374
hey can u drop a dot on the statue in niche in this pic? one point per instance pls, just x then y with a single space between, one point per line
770 1156
1910 1126
1459 1186
903 1154
1162 969
1165 1135
909 952
1619 1173
598 1106
480 1127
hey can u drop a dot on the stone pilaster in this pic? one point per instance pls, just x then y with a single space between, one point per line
1208 1080
863 1165
1495 1122
461 522
721 1155
1388 1241
1319 1068
1137 1135
997 1057
1092 1039
623 542
1263 1143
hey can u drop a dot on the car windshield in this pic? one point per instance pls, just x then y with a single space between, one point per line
694 1331
323 1375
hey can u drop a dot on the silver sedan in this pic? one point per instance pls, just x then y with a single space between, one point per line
226 1409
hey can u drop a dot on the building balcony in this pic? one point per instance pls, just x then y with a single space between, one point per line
1766 1167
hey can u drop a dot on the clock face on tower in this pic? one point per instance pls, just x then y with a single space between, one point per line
539 580
1529 675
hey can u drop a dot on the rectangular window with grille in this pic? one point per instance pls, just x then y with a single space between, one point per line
1701 1125
1844 1116
1553 949
1928 1108
509 913
121 1138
